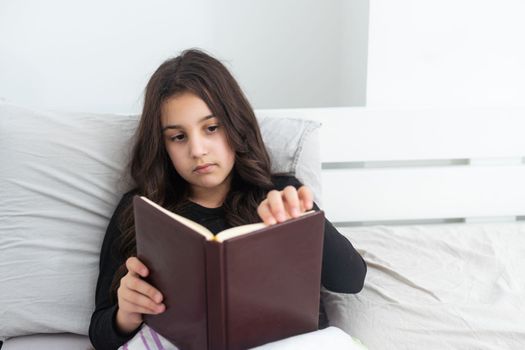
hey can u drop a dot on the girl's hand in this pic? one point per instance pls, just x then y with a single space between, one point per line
136 297
282 205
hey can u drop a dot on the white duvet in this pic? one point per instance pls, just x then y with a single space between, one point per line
449 286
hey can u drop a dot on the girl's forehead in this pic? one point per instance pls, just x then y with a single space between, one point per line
183 109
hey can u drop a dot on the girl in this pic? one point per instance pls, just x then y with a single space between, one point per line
198 151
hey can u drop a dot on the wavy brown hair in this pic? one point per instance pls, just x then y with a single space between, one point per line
150 167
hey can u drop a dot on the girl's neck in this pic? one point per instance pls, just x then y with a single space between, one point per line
210 197
207 203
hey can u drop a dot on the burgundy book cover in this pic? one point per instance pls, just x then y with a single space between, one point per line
175 256
246 291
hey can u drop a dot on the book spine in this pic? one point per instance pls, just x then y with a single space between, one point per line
215 289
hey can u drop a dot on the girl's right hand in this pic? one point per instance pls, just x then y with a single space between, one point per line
136 297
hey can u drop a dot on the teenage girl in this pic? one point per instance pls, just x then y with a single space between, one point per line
198 151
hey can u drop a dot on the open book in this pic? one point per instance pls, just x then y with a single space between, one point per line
244 287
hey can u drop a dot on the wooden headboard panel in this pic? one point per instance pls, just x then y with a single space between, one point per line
416 165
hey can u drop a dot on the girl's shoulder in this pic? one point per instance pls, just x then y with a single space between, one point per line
128 196
281 180
125 200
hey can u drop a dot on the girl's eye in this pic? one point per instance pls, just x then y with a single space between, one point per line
177 138
213 128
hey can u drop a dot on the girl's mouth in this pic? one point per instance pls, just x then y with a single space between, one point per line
204 169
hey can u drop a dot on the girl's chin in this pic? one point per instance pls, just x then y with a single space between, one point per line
207 181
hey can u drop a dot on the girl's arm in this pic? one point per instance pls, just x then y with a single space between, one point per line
103 333
343 269
115 322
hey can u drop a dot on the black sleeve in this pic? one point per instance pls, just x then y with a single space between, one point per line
103 331
343 268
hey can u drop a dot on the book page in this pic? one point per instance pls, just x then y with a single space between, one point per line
187 222
240 230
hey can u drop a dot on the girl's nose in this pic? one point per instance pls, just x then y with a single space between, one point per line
198 147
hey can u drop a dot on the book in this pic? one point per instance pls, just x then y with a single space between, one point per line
243 287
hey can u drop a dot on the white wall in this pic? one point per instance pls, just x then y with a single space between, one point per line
354 55
446 53
91 55
98 55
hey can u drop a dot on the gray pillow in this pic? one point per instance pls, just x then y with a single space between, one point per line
293 145
60 180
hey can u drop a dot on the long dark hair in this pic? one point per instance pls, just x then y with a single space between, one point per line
150 167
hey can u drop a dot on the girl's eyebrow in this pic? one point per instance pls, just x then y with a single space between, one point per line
176 126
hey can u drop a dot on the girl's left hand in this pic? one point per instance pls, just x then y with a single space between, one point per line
282 205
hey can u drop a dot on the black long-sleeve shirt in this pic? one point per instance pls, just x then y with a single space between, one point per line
343 269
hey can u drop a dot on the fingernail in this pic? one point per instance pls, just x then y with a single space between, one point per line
271 221
295 212
280 217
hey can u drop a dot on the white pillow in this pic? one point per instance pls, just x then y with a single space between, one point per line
60 180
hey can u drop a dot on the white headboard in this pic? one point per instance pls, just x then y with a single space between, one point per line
423 166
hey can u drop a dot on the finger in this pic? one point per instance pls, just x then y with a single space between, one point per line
275 202
291 201
265 214
131 307
142 301
134 265
144 288
306 197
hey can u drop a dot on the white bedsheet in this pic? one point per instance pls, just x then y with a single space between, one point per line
449 286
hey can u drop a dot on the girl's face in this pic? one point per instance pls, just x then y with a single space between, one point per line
196 143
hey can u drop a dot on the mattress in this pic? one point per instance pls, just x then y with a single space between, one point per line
453 286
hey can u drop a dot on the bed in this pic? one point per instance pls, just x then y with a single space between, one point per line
433 200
